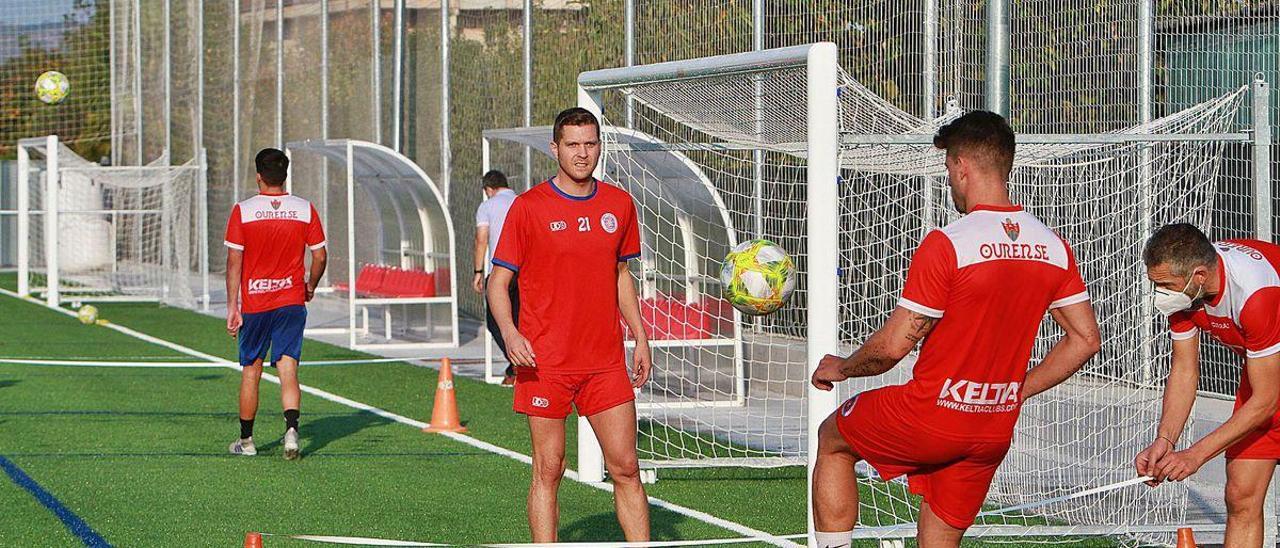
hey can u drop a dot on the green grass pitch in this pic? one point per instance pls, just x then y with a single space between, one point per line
140 454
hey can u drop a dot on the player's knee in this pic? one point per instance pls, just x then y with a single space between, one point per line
624 470
830 440
1244 500
548 469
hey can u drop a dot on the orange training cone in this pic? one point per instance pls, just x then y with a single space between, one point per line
252 540
1185 538
444 412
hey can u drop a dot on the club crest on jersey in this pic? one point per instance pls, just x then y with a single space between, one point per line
557 226
1011 229
609 223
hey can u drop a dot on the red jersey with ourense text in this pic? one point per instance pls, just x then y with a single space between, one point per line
566 250
274 231
1245 314
989 277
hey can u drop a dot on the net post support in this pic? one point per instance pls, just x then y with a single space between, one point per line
1261 112
590 456
1262 207
51 220
24 221
203 202
822 238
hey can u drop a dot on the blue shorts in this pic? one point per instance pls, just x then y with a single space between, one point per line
279 330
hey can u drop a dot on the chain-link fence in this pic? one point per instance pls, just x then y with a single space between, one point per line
153 79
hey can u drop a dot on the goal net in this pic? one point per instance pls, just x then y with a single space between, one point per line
805 156
89 232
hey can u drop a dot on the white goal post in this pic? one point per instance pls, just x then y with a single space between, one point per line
849 183
88 232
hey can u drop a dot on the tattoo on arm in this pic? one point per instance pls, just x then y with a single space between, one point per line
920 326
866 364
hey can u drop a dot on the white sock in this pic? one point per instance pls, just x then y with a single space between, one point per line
841 539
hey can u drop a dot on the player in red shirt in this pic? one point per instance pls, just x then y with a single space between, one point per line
267 236
570 239
976 293
1230 290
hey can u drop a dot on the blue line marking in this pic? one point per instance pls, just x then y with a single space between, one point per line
73 522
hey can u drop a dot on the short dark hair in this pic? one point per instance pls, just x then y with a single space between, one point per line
982 133
272 165
1182 246
576 116
494 179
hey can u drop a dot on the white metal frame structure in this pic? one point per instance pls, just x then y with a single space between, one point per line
59 161
388 181
672 166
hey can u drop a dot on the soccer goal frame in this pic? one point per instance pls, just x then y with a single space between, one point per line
829 151
822 160
182 284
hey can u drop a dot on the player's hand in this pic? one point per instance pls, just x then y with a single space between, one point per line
234 321
1178 466
642 362
477 283
829 372
311 292
519 348
1146 460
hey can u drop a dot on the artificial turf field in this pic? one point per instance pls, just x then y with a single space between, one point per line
138 456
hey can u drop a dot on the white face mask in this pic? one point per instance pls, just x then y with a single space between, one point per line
1170 302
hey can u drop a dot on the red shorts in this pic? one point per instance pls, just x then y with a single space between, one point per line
952 475
1263 442
549 395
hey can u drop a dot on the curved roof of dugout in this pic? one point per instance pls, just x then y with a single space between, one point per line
395 185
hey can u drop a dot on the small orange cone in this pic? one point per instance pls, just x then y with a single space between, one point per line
252 540
444 412
1185 538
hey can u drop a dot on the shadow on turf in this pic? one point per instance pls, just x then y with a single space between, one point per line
9 382
318 434
604 527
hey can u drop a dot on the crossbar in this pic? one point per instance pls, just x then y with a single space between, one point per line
692 69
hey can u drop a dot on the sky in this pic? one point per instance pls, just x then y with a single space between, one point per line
26 12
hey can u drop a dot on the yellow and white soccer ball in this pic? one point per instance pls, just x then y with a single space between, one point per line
758 277
88 314
52 87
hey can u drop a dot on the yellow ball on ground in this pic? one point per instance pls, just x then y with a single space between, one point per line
88 314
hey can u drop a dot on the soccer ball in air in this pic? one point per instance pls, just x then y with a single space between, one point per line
52 87
88 314
758 277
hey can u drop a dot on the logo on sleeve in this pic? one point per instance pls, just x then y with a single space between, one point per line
609 223
1011 229
557 226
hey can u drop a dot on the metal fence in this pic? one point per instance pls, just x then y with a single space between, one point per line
157 78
